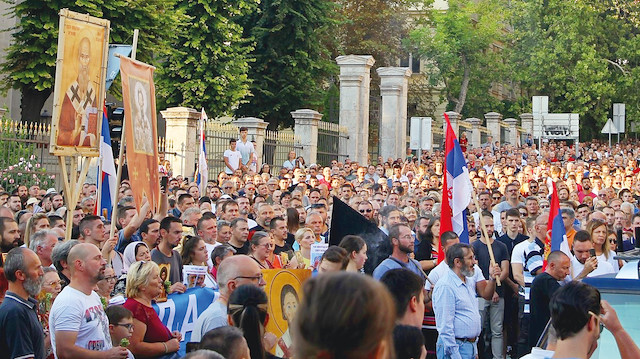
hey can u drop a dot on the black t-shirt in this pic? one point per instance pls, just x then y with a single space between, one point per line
241 250
423 250
500 253
542 288
284 248
510 243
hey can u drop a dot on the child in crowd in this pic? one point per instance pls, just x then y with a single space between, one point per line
120 326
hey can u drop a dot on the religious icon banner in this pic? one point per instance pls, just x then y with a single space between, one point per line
139 98
284 289
79 91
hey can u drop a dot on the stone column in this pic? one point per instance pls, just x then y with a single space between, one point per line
454 117
493 125
182 130
513 131
355 78
475 139
527 122
393 128
256 130
306 128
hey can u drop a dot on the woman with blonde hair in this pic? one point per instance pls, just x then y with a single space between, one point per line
305 238
344 315
150 338
598 231
37 222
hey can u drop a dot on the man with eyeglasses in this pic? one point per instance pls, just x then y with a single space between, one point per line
533 187
578 315
233 272
403 245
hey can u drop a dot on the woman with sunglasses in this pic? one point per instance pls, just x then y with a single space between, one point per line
262 246
150 338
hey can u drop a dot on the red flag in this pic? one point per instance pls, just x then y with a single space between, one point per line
556 232
445 209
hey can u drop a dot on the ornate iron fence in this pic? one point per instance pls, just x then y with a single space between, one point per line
277 145
24 156
330 136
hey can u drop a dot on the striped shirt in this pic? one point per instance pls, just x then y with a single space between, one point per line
529 255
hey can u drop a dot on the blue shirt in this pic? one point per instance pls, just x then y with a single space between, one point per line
456 309
393 263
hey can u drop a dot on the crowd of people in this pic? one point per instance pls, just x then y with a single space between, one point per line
91 296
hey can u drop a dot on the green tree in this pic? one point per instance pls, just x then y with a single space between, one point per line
461 47
290 61
31 58
584 55
210 65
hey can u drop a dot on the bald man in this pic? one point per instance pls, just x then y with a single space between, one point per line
78 324
232 273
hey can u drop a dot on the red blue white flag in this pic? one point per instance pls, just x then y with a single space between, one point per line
556 233
456 190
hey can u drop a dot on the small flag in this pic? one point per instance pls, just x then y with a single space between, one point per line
556 233
202 171
456 190
107 169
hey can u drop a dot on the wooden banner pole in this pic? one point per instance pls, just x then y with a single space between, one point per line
485 233
114 212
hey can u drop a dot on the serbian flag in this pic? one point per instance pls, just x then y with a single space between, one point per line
556 233
107 171
201 176
456 190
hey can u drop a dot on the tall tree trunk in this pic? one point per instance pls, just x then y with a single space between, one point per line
32 103
464 87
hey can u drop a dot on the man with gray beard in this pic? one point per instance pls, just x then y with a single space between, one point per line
22 335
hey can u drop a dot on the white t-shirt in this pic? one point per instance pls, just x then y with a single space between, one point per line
234 160
528 255
75 311
245 149
614 263
577 267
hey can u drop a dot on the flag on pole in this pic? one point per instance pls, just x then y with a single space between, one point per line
108 170
556 233
456 190
202 170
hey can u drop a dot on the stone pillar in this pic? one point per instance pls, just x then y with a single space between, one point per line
182 130
527 122
493 125
355 78
454 117
306 129
256 130
513 131
475 139
394 83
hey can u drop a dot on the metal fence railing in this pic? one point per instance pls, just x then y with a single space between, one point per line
24 156
217 136
277 145
330 136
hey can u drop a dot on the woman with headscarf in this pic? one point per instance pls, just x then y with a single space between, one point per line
133 252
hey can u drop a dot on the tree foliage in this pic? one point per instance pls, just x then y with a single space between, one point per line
584 55
31 58
289 62
462 50
210 64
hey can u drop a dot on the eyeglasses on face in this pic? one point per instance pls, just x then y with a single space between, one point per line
258 278
129 326
113 278
368 210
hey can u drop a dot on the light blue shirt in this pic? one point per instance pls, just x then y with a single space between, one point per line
391 263
215 316
456 309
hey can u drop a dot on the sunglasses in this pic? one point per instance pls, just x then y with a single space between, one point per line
365 210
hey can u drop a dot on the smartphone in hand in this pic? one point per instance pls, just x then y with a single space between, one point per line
592 252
